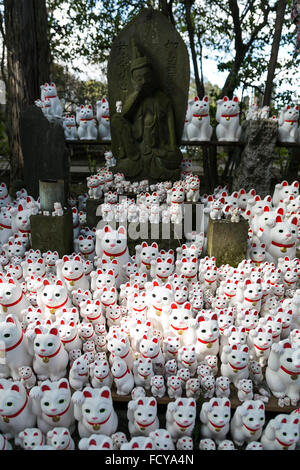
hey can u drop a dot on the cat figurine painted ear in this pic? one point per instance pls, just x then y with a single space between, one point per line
199 127
93 409
228 127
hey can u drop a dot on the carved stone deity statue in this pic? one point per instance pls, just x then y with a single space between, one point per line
145 133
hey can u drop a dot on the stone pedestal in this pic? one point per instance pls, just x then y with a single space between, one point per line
44 150
227 241
53 233
255 166
91 208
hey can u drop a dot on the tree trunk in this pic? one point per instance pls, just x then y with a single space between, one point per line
280 11
190 28
28 60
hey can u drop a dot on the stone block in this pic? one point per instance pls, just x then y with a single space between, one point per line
53 233
44 150
227 241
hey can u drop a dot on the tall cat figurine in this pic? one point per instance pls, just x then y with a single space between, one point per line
70 128
103 118
181 417
199 127
87 129
288 124
228 127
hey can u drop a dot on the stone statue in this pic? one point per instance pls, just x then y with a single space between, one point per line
143 134
148 72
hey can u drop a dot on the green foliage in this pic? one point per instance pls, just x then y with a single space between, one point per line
86 28
75 92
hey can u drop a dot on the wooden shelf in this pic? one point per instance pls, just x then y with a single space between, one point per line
193 143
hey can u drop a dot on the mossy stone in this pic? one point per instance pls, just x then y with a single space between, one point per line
227 241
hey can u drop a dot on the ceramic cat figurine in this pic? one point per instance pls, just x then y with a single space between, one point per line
96 442
79 373
29 438
142 416
93 409
15 409
71 273
143 372
70 128
283 372
207 336
52 404
215 418
60 439
12 299
181 324
112 245
150 349
158 388
228 127
14 347
49 94
100 374
248 422
187 359
87 129
138 443
199 127
222 387
185 443
174 384
235 363
181 417
50 358
162 440
28 379
288 124
53 297
123 376
245 389
281 433
103 119
193 388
